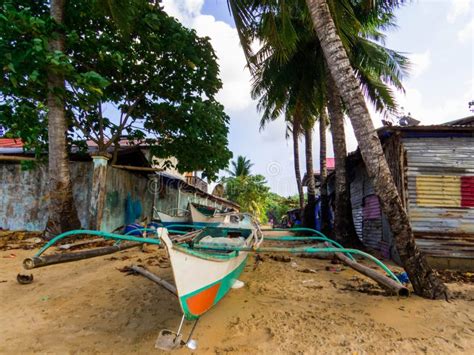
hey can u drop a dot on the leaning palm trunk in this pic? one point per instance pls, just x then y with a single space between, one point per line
62 210
424 280
296 157
343 220
309 216
323 173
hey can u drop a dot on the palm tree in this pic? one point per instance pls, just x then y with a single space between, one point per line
323 172
333 41
293 126
240 167
343 219
424 281
283 90
279 74
309 215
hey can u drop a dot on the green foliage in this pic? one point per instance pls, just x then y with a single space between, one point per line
290 57
160 77
240 167
253 194
250 192
277 205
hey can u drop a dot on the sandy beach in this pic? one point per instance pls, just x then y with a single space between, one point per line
295 307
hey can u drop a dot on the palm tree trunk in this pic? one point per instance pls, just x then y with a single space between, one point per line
309 216
323 173
424 280
296 157
62 210
343 220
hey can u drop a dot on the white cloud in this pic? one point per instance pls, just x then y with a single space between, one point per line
458 8
183 10
423 109
467 32
235 94
420 62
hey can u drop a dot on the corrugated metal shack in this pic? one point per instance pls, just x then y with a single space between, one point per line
433 168
24 192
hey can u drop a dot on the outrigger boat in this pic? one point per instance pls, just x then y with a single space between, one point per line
206 262
199 218
173 216
203 277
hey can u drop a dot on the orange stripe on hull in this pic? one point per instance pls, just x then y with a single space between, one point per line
201 302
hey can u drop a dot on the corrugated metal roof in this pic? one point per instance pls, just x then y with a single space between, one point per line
463 122
11 143
330 165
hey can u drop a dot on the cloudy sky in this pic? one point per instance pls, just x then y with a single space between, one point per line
437 35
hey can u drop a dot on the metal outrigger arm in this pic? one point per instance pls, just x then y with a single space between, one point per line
38 260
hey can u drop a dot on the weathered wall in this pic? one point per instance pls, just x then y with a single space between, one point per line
366 210
120 184
24 195
168 199
436 179
440 179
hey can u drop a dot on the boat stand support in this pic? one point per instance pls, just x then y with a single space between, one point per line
169 340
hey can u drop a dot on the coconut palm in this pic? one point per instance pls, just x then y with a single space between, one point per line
293 128
424 280
240 167
323 172
292 88
335 24
276 71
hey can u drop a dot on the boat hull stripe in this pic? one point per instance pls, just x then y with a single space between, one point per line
198 302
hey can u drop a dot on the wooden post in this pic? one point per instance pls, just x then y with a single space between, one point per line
384 281
97 202
154 189
169 287
45 260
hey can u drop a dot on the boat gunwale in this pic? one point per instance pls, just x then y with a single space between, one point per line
184 248
204 255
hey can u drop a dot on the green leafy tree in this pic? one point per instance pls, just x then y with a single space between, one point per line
160 77
250 192
277 206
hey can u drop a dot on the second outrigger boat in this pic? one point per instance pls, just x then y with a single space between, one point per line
201 219
173 216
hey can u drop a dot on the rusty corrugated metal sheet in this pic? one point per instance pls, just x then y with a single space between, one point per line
372 222
438 190
438 199
371 207
357 194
